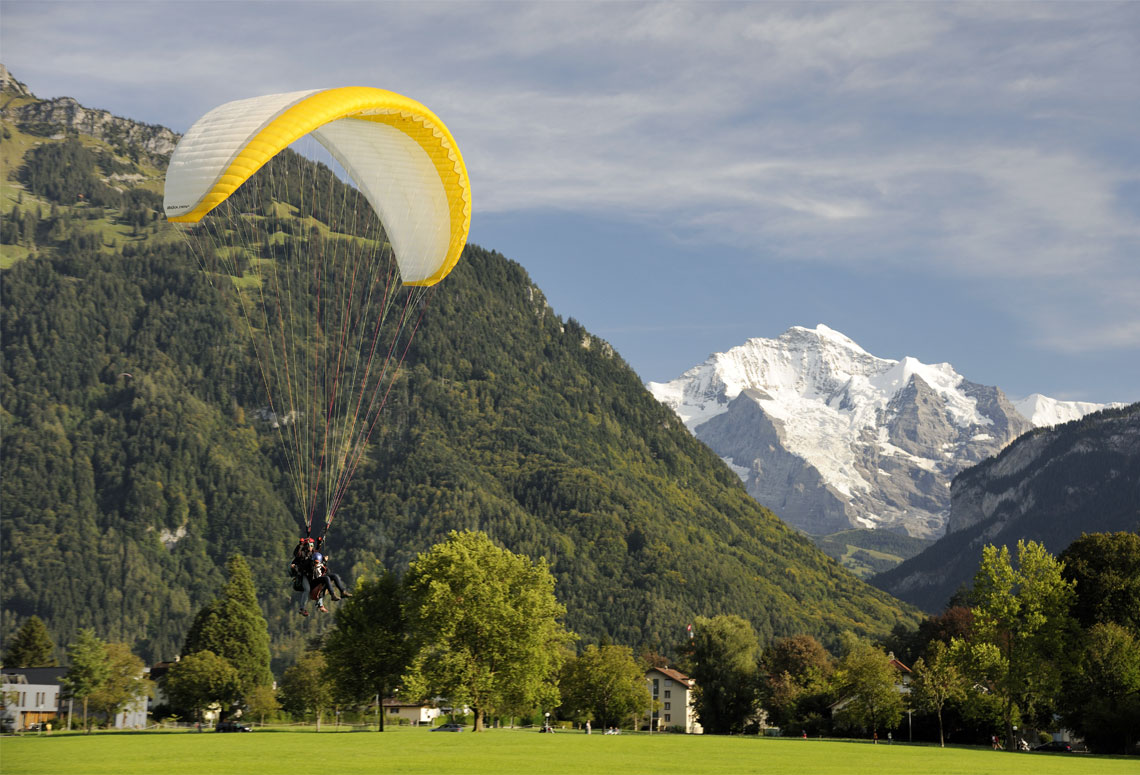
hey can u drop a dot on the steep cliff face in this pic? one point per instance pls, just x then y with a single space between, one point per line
1054 473
777 477
971 499
1050 486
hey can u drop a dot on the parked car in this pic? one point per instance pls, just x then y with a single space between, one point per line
448 728
231 726
1055 745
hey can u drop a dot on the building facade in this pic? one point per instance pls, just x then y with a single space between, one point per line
30 696
673 701
34 696
412 713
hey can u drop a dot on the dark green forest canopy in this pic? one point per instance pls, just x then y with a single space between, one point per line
135 461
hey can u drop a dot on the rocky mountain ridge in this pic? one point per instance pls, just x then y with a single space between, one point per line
22 107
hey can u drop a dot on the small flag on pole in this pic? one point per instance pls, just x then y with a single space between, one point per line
690 629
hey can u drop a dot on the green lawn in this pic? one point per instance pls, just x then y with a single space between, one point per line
406 750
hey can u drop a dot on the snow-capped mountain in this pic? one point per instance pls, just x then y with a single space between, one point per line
1043 411
829 436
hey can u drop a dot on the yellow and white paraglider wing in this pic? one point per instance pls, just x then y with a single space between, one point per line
400 155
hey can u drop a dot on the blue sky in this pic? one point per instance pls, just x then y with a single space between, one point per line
952 181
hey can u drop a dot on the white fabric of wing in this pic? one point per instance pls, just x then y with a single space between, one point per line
212 143
399 180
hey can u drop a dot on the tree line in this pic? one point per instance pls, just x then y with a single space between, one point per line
1038 642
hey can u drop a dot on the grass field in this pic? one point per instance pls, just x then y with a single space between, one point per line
407 750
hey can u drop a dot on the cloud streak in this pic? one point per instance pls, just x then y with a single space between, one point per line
986 142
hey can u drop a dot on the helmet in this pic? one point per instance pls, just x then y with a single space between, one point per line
318 557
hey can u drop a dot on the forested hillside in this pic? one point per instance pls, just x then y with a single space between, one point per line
135 461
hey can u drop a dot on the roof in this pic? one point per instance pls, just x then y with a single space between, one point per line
899 665
159 669
676 675
38 675
394 702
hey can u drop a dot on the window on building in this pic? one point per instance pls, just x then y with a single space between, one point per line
667 718
655 686
393 711
667 705
668 681
667 693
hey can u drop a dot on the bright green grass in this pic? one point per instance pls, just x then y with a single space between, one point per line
407 750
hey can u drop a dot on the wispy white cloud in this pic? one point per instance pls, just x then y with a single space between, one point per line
988 141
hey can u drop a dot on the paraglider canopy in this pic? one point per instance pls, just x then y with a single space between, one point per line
332 280
397 152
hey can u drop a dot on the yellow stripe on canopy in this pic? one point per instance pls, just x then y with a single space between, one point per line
363 103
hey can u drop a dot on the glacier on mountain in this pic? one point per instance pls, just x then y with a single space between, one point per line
830 436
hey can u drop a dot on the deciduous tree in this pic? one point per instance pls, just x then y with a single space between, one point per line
936 680
1101 699
1021 614
725 658
89 669
261 701
1106 570
305 687
125 683
866 682
200 680
794 672
604 684
486 626
369 650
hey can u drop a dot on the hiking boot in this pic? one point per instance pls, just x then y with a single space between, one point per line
304 612
346 594
323 610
